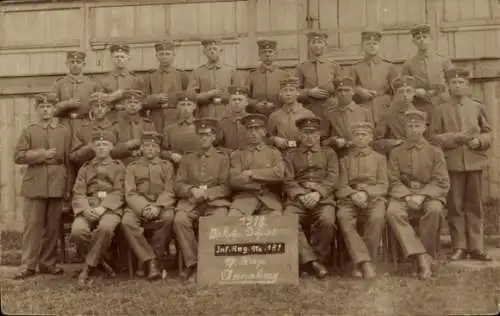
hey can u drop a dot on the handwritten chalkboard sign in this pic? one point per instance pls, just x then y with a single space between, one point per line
248 250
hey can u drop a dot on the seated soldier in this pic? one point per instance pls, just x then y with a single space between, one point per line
130 127
232 133
82 145
97 203
311 175
419 184
362 197
201 185
340 117
180 138
150 197
254 169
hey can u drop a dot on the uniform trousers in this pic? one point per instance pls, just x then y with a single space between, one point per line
252 205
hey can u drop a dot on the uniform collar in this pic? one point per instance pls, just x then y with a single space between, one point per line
375 59
292 108
166 69
310 149
51 124
415 144
266 68
319 60
104 162
349 107
424 54
259 147
213 66
75 79
120 73
136 118
236 116
102 124
401 107
154 161
187 121
361 152
207 153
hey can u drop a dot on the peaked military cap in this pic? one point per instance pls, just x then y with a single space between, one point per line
290 82
267 44
345 81
414 115
103 135
317 35
46 98
124 48
205 124
254 120
164 45
76 55
185 96
405 81
97 99
133 95
420 29
311 123
362 126
151 136
237 90
457 72
210 41
371 36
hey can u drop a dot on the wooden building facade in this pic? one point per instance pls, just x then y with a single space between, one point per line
34 36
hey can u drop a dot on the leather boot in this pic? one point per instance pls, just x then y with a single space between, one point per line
368 270
320 271
154 271
424 267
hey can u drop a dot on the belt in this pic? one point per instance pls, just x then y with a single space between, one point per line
415 185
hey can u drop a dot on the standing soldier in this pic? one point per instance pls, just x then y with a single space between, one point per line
316 76
264 82
373 76
211 81
97 203
44 147
283 132
201 185
311 175
81 146
464 133
232 132
419 183
254 169
427 67
131 126
180 138
362 198
119 80
150 197
162 86
342 116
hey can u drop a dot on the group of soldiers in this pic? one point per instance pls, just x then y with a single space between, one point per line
348 151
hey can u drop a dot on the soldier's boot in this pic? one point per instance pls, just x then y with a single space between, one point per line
187 274
356 272
24 274
140 273
458 254
55 270
368 270
480 255
424 267
320 270
154 271
84 277
108 270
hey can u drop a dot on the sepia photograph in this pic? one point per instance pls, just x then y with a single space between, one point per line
250 157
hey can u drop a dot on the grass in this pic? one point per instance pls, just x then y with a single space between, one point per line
452 292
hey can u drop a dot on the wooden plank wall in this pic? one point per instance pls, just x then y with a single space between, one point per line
34 39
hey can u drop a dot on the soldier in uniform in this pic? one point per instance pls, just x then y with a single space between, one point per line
180 138
81 145
149 193
419 183
211 80
44 147
202 187
119 80
464 133
98 203
427 67
373 76
311 176
254 170
316 76
264 82
340 117
131 126
232 133
162 86
362 198
282 129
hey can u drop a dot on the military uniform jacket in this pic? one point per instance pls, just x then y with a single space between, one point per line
418 168
282 121
267 166
311 170
149 182
454 118
78 87
180 138
130 128
99 183
116 80
44 178
363 170
232 132
212 76
208 169
264 84
316 73
391 127
81 150
427 69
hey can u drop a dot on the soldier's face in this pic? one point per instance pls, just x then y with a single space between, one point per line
165 57
207 138
75 66
255 134
100 110
405 94
120 59
362 138
422 41
267 55
317 46
150 149
133 106
186 108
212 52
371 48
288 94
310 138
238 102
458 86
46 111
102 148
415 129
344 95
